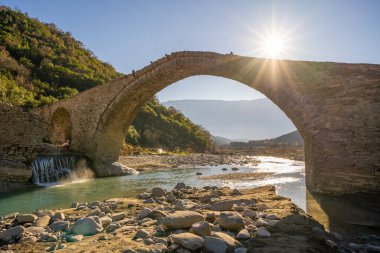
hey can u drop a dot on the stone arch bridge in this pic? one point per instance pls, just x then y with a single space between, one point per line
335 106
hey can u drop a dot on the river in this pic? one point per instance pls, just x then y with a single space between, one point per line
288 177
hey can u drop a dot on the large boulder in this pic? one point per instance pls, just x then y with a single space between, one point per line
188 241
231 220
11 235
182 219
87 226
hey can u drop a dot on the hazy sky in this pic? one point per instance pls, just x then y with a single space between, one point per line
129 34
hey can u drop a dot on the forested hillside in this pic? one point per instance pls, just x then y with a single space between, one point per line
41 64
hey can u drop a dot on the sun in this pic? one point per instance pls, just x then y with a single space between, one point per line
273 46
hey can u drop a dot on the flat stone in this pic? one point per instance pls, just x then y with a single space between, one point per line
231 220
201 228
12 234
182 219
26 218
118 216
224 205
188 241
87 226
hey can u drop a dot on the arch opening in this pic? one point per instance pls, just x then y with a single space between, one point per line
61 127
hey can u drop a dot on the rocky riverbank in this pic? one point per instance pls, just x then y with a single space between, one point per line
146 162
186 219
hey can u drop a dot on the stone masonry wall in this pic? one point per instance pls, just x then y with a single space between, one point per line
21 134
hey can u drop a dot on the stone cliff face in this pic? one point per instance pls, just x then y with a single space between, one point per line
21 138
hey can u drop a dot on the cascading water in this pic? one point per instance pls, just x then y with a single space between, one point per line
48 170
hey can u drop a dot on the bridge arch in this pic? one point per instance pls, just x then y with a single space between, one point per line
335 107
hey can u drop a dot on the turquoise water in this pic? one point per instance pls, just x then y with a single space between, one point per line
288 179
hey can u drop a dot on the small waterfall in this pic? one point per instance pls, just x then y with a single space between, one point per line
48 170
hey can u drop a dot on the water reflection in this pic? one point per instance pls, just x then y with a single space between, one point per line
349 215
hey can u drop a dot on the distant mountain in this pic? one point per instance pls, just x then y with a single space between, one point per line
245 119
220 141
293 137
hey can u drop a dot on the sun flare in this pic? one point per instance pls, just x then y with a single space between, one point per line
273 46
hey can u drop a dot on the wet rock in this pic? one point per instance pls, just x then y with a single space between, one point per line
225 205
182 219
26 218
75 238
243 235
231 220
188 241
87 226
235 169
145 213
198 173
118 216
12 234
262 232
224 169
180 186
158 192
201 228
60 225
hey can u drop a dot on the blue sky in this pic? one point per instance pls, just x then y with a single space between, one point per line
129 34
